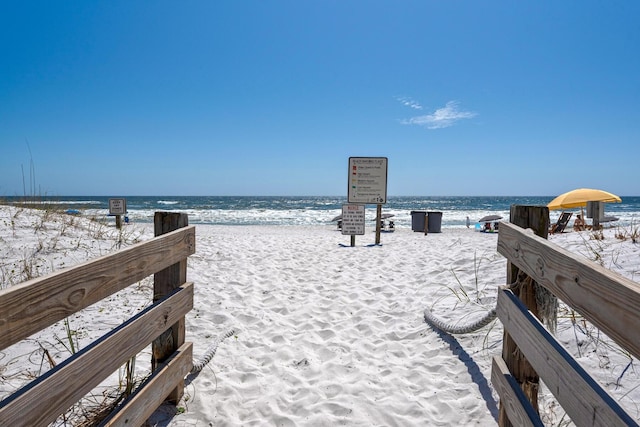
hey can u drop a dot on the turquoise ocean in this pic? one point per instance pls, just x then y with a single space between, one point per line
318 210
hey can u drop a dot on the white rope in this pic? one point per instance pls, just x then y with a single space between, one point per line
472 327
547 305
457 329
208 355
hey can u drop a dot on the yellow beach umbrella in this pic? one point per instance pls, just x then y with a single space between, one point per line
579 197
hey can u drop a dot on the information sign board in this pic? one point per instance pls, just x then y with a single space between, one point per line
117 206
353 220
367 180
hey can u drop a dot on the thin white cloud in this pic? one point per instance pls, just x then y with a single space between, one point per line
408 102
441 118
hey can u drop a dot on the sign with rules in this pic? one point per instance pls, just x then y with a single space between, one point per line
353 220
367 180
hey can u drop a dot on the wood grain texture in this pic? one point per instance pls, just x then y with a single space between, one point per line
518 409
143 403
36 304
164 283
537 219
42 401
584 400
607 299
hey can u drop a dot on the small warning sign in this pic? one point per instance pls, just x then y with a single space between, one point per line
117 206
353 220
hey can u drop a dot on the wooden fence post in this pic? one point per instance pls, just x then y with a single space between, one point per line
378 223
537 219
164 282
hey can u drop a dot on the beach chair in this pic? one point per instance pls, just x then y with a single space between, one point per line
562 222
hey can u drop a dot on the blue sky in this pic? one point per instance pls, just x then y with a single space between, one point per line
273 97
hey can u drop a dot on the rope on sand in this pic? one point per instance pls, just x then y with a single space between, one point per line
472 327
457 329
547 307
208 355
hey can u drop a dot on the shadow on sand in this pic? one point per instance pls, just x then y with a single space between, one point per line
474 371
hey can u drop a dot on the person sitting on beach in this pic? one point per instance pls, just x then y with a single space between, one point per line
579 224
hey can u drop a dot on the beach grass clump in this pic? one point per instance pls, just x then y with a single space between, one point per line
96 405
459 290
595 351
632 232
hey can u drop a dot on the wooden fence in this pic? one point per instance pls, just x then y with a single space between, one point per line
36 304
608 300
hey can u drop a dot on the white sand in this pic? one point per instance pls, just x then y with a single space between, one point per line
325 335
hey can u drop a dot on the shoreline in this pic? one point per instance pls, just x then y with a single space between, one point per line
321 210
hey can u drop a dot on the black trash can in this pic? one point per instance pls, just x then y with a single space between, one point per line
417 220
435 222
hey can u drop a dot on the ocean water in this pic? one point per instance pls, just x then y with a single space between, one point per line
317 210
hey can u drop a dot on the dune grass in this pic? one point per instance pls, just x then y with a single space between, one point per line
46 239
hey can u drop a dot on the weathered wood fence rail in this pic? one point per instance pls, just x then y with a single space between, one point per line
36 304
608 300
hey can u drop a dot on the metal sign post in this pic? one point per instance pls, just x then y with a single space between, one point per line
368 184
